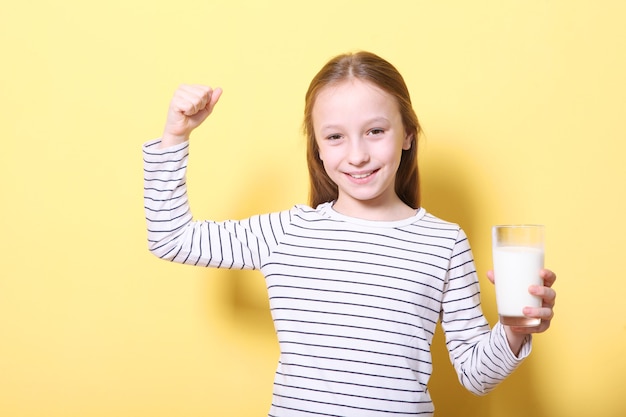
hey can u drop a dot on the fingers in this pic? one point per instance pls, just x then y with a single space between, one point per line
546 311
547 294
548 297
215 96
548 277
543 313
491 276
193 99
189 107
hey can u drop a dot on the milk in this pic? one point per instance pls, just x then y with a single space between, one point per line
515 269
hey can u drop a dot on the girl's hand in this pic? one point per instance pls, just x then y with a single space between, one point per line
516 335
190 106
546 311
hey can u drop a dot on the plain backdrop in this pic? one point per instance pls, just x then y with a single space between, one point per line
523 105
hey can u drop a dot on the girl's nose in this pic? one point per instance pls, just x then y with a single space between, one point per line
358 153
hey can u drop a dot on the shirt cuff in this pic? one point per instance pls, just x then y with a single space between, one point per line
152 153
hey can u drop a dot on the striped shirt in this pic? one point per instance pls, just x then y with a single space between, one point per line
354 302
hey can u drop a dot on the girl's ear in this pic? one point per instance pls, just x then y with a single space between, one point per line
408 141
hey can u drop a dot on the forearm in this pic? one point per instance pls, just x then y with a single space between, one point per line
165 196
489 361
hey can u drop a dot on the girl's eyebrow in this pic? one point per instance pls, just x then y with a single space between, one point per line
376 119
330 127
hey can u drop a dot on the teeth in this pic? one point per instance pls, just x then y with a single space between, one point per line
359 176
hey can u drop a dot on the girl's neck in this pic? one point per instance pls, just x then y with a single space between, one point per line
387 212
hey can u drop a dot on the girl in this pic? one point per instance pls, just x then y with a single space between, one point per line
357 280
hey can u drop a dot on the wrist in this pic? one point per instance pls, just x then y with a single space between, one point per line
515 340
169 139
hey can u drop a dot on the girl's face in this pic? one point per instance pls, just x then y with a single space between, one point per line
360 135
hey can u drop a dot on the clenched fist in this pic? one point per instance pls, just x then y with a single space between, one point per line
190 106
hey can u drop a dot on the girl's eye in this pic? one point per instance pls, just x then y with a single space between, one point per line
376 131
333 137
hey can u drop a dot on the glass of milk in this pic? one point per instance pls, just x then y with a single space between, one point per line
518 253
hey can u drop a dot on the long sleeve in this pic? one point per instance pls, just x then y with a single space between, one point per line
174 235
481 357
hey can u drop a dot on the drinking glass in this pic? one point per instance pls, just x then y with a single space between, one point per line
518 255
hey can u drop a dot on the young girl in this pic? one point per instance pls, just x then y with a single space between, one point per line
357 280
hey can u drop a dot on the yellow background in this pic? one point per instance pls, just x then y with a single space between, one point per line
523 104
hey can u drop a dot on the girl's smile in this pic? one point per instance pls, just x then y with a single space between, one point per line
362 175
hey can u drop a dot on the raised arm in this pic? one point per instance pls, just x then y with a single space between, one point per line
173 234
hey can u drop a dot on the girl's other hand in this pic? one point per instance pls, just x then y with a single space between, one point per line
546 311
517 335
190 106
